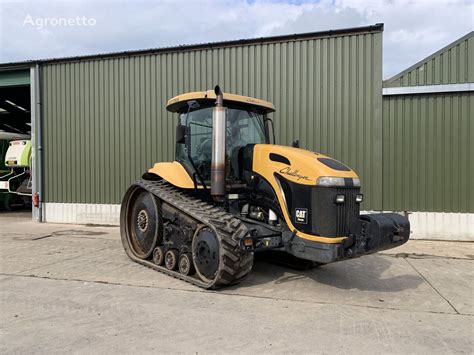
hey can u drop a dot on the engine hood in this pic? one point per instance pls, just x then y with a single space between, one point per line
296 164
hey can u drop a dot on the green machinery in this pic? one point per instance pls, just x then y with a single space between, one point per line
15 174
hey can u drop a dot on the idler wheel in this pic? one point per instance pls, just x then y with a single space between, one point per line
143 223
206 255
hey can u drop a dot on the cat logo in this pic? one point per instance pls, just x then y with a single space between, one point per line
301 215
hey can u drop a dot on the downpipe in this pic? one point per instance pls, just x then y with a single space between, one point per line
37 137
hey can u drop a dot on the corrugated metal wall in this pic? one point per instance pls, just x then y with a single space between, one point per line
105 121
451 65
427 139
428 152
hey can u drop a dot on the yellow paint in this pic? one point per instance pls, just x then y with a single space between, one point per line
177 102
174 173
304 169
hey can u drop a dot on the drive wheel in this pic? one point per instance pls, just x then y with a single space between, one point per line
158 256
143 223
171 259
185 265
206 255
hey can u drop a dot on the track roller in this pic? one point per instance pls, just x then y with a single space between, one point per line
185 264
158 255
171 259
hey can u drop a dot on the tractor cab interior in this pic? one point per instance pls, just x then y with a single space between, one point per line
245 125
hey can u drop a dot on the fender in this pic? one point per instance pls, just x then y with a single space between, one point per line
173 172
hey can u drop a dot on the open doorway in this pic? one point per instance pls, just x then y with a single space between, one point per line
15 142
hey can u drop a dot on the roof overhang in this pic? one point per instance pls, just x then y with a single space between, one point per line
428 89
180 103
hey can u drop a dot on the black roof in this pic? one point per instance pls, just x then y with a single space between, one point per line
261 40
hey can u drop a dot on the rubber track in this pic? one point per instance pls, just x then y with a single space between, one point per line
235 265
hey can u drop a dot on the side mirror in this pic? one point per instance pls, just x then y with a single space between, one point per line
181 132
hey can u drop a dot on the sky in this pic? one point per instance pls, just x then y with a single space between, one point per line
38 29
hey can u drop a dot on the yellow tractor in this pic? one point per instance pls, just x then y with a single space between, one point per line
230 194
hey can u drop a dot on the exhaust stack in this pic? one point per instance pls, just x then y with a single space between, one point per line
219 123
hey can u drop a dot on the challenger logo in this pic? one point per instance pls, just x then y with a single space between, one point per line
294 173
301 215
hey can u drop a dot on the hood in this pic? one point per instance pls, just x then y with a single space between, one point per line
298 165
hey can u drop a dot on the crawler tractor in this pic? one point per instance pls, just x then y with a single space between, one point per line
230 194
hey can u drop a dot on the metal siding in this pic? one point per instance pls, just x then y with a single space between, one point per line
452 65
106 123
427 153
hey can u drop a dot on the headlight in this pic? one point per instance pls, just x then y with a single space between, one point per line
336 181
330 181
359 198
340 198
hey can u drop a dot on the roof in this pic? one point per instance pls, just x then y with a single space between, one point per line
261 40
180 102
394 80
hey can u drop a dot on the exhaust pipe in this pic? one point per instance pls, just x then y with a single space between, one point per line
219 118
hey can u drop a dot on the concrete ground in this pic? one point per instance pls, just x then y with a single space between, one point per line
70 288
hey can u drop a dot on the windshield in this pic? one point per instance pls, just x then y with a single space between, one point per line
243 127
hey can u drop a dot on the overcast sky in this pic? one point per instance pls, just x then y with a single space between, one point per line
413 29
